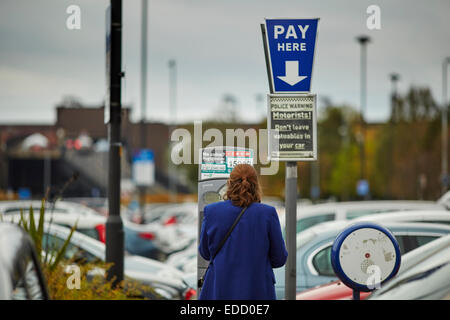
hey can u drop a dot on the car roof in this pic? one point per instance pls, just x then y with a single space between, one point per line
59 205
338 208
371 204
410 215
333 228
69 219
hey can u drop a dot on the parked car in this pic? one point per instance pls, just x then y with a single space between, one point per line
20 271
339 291
143 240
314 249
62 213
308 216
426 216
100 205
426 276
166 280
173 230
335 290
139 239
185 260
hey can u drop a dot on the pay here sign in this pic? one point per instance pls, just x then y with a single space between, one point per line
290 50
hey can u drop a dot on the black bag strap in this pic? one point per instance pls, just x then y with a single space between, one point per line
228 233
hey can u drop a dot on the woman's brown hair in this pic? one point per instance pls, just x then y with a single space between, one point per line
243 186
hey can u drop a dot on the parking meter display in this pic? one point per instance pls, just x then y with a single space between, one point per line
219 162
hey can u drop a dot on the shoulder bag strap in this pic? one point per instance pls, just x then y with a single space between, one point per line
229 232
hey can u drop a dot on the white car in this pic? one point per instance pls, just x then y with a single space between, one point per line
426 216
423 275
175 227
185 260
308 216
166 280
62 213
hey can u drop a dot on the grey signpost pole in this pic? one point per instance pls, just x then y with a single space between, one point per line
290 278
298 107
114 225
291 229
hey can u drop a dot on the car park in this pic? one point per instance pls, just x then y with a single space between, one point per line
314 249
20 271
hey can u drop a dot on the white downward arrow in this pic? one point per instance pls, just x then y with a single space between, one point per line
291 76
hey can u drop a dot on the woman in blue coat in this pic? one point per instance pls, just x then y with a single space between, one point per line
243 267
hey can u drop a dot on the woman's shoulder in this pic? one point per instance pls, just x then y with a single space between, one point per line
262 207
220 205
223 205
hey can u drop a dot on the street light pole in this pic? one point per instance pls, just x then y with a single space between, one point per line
144 8
363 41
114 225
172 107
143 142
395 77
444 120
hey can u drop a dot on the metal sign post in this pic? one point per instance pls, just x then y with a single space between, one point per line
114 225
289 47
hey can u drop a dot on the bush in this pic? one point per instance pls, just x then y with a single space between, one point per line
93 287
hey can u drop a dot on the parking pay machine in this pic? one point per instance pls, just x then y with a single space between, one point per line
215 166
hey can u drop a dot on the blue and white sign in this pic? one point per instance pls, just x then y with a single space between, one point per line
362 188
291 46
365 255
143 168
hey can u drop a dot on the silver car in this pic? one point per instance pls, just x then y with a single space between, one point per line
424 275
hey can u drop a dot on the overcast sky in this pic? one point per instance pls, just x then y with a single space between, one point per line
218 49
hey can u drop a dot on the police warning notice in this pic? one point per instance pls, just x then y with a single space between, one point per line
292 124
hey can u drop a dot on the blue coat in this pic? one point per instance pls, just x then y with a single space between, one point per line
242 270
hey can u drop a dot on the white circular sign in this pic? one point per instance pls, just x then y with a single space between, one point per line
365 255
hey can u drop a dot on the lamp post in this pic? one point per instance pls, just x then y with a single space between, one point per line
143 140
114 226
363 41
172 107
395 77
444 126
